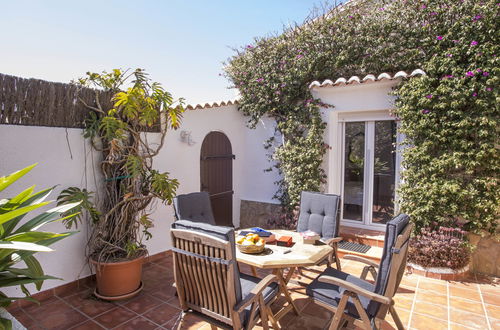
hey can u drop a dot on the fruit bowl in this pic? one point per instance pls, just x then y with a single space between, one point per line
250 243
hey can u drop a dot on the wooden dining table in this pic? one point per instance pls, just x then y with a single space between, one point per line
274 257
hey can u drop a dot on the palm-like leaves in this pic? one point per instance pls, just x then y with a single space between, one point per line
20 243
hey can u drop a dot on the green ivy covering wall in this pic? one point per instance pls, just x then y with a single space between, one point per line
449 118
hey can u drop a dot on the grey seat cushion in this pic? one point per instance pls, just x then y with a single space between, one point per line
331 294
319 213
224 233
249 282
194 207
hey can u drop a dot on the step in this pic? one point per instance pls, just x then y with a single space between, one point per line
374 253
362 236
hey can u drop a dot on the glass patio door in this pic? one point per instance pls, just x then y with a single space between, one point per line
369 172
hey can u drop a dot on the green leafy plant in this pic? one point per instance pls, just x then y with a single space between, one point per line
449 118
19 242
120 220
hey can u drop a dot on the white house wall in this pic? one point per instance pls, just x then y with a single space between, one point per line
21 146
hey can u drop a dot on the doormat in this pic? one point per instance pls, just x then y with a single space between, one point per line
356 247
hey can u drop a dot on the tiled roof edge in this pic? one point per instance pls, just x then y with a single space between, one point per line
368 78
207 105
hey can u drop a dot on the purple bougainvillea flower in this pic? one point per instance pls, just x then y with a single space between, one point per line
449 55
474 94
486 74
477 18
474 43
260 80
470 74
478 70
300 56
283 84
429 96
489 89
249 46
381 9
423 6
456 41
425 111
433 13
439 37
351 17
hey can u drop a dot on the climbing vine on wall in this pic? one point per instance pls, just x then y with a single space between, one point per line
450 117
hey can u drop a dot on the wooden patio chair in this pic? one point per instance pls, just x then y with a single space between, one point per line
357 301
320 213
194 207
209 283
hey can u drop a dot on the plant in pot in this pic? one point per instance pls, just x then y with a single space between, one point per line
120 219
20 242
440 250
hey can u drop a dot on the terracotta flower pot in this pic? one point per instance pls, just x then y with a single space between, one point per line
118 280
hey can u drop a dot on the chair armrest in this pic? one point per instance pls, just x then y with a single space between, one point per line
333 240
356 289
360 259
254 294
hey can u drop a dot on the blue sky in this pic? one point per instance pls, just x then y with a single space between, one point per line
181 43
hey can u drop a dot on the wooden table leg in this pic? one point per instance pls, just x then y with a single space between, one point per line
289 274
279 273
254 271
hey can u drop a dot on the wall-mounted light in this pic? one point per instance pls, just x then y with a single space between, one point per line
187 138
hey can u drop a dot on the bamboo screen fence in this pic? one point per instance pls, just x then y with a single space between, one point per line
36 102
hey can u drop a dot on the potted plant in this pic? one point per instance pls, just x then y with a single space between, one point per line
440 252
120 220
19 242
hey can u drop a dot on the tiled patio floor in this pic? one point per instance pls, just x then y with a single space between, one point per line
422 303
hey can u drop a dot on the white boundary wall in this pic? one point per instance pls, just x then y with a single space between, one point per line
21 146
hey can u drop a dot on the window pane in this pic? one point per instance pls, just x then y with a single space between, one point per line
354 161
384 171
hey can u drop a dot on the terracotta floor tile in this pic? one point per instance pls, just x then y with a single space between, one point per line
433 287
309 322
493 311
494 323
429 297
456 326
404 316
464 293
437 311
137 323
313 309
24 318
424 322
403 302
115 317
471 320
88 304
190 322
162 314
492 299
142 303
466 305
88 325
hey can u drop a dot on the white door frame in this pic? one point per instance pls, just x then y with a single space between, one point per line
336 161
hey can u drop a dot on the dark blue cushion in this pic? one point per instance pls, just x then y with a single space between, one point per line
331 294
249 282
224 233
195 207
319 213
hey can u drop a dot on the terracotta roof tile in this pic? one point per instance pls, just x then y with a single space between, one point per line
368 78
200 106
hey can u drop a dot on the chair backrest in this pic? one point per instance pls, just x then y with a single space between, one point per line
194 207
205 268
319 213
393 262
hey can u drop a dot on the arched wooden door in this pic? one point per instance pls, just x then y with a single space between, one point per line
216 175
